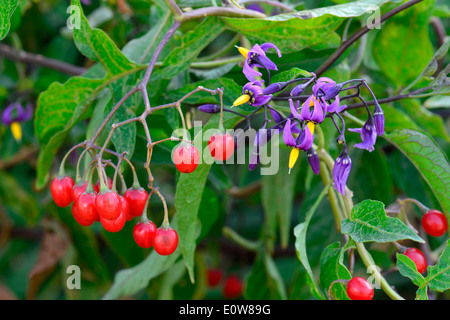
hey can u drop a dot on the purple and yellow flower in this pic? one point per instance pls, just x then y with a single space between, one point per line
256 57
252 93
303 141
13 115
341 170
368 135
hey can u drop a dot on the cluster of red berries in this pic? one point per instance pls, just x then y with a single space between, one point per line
186 156
112 210
232 286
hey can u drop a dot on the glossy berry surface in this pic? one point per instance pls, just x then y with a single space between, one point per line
76 216
221 146
186 158
418 257
61 190
108 205
165 241
118 223
86 206
97 185
144 234
78 189
359 289
214 277
136 201
232 288
434 223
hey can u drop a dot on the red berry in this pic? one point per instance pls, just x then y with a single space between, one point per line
136 201
86 206
97 185
116 224
232 288
61 190
214 277
108 205
186 158
359 289
165 241
434 223
144 233
418 257
76 216
221 146
78 189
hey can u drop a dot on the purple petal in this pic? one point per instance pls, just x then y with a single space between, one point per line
306 139
267 63
287 135
277 117
294 110
7 118
268 45
305 113
318 112
313 160
249 73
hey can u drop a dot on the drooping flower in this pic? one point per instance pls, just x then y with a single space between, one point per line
368 135
13 115
378 116
313 159
256 57
341 170
303 141
252 93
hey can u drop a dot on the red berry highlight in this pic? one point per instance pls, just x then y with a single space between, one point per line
136 201
221 146
76 216
419 259
359 289
61 190
434 223
86 206
186 158
232 288
144 233
108 205
214 277
165 241
116 224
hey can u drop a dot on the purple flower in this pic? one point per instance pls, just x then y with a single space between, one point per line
323 85
209 108
313 159
256 57
303 141
368 135
341 170
253 95
13 115
334 106
378 116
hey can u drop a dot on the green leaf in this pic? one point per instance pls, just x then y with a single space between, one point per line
300 246
429 160
290 75
61 106
397 51
408 268
7 8
300 29
193 43
439 275
278 197
332 268
369 222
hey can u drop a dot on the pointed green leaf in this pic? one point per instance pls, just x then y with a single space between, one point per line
7 8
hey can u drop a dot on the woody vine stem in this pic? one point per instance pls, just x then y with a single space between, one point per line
341 205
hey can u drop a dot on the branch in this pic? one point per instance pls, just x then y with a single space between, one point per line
221 11
344 46
26 57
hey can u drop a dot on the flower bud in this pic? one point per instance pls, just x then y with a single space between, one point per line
209 108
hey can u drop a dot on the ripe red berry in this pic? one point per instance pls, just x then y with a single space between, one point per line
108 205
76 216
434 223
214 277
144 233
97 185
418 257
61 190
86 206
136 201
165 241
232 288
78 189
116 224
186 158
359 289
221 146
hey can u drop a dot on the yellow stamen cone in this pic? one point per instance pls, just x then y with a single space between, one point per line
293 158
243 51
311 126
16 131
241 100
